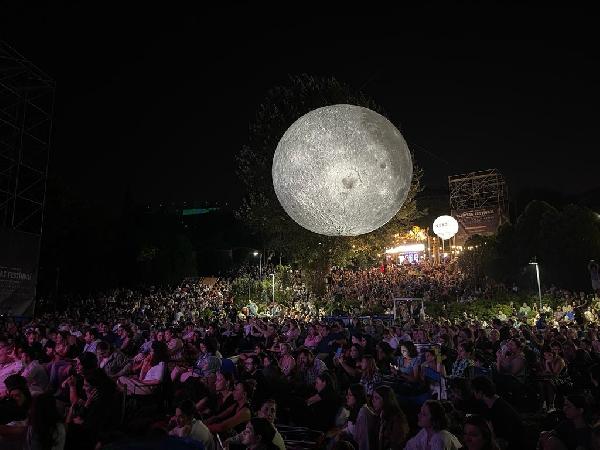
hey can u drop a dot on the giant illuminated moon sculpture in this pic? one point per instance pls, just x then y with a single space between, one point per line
342 170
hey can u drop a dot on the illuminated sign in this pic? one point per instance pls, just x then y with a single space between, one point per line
408 248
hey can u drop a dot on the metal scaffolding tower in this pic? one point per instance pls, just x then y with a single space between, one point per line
26 107
477 190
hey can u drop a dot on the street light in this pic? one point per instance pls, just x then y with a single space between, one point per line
273 275
537 272
259 263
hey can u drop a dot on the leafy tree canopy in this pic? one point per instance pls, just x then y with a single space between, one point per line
261 209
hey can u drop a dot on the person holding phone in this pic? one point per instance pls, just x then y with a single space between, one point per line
407 364
348 365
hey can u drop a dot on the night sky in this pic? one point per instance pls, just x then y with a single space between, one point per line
158 100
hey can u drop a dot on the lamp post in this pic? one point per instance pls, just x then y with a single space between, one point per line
259 263
273 275
537 273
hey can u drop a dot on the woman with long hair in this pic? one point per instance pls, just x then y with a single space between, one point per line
370 374
434 434
393 426
224 423
407 366
553 367
347 365
286 362
478 434
464 361
361 417
324 405
222 400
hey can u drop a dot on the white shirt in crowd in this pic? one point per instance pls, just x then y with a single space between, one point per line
36 377
156 372
91 347
198 432
7 369
441 440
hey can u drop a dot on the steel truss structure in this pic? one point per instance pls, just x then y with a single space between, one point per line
26 107
478 190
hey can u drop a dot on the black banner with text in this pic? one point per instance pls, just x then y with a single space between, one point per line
482 221
19 256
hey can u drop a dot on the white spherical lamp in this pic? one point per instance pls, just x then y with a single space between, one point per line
445 227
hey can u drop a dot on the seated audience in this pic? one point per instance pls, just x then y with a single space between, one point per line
434 434
259 434
151 374
393 429
229 422
112 360
478 435
184 425
505 421
34 372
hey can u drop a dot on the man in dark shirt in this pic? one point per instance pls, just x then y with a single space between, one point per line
506 422
327 343
252 371
106 334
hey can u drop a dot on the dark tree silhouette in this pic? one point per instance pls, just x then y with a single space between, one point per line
261 209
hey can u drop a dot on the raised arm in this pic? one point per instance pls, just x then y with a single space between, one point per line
243 415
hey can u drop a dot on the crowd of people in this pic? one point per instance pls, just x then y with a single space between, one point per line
359 291
425 279
150 368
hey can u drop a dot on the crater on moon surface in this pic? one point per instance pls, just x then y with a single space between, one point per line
348 182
